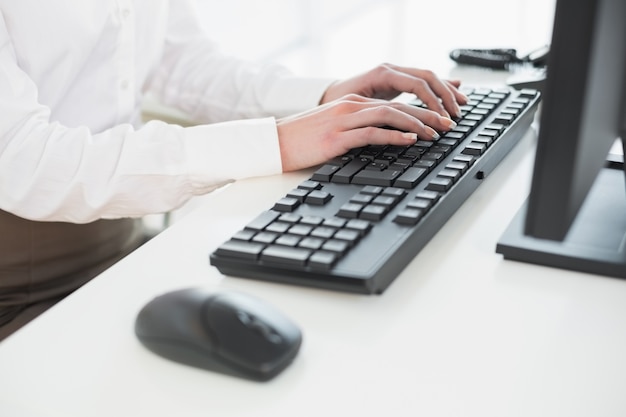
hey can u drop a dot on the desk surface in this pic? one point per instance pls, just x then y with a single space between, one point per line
461 332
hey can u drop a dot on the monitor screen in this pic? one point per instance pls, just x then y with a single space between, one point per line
575 215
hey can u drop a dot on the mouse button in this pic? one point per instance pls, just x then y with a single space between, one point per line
250 332
175 316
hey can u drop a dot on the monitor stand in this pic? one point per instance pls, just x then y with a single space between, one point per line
595 242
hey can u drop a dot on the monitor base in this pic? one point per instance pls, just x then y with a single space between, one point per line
595 242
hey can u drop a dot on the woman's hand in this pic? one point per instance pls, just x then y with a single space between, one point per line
353 121
387 81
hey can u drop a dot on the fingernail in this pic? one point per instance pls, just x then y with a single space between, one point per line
432 133
449 123
457 111
410 136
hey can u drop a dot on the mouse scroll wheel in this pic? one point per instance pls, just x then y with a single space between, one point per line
257 325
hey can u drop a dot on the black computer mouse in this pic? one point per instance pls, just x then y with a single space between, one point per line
228 332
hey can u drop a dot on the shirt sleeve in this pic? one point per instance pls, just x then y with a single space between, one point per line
195 76
52 172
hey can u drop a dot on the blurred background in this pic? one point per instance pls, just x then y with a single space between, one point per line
340 38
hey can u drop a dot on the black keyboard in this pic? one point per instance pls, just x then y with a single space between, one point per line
361 218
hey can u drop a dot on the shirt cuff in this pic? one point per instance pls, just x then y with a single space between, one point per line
220 153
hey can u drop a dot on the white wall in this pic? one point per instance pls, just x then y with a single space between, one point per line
342 37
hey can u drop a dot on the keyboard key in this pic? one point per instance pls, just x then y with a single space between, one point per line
427 164
495 126
511 110
433 156
286 204
290 218
373 190
335 222
475 117
504 118
262 220
345 174
475 148
288 240
240 249
452 174
521 100
449 142
373 212
265 237
461 129
362 226
348 235
385 200
298 193
310 185
429 195
300 230
323 260
467 159
246 235
311 243
350 210
325 172
397 193
454 135
459 166
409 216
490 100
485 140
420 204
481 112
312 220
528 93
518 106
285 255
372 177
324 232
336 246
492 134
278 227
439 184
470 123
362 198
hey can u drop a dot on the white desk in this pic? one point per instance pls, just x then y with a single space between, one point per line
461 332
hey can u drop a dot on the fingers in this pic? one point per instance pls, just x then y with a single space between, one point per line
361 112
332 129
455 85
360 137
440 96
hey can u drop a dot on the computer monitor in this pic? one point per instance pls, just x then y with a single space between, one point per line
575 215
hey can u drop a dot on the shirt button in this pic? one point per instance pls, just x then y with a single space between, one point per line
125 13
124 84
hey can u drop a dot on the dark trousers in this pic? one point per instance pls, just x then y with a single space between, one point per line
42 262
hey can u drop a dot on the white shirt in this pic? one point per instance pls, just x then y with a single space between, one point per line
72 78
